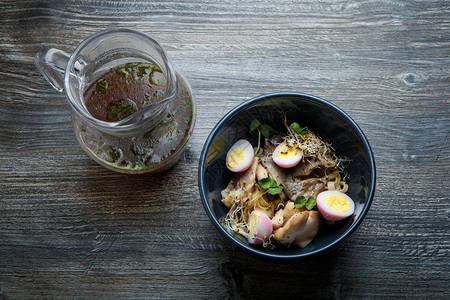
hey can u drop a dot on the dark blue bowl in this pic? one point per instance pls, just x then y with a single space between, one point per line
323 118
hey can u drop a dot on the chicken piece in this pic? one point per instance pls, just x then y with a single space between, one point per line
285 214
289 211
240 186
300 229
261 172
277 220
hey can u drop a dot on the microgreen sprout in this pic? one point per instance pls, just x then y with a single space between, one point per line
298 129
270 185
301 201
313 146
263 129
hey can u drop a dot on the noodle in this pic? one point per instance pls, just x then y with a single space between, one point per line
335 182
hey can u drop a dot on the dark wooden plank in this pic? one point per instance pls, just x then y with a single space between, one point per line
70 228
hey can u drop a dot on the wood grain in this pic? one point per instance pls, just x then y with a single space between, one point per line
71 229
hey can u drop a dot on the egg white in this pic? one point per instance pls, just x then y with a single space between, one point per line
245 161
330 214
286 162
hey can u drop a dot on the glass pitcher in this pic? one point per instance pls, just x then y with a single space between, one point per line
115 122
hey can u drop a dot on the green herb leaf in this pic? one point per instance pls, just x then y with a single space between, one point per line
266 130
267 183
143 69
148 99
159 94
300 201
101 86
155 81
270 185
274 190
119 110
156 69
137 150
114 154
298 129
122 72
152 80
254 125
310 203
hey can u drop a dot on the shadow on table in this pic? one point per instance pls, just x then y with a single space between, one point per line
318 277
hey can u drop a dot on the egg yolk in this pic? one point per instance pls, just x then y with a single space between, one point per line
236 158
286 152
252 224
337 203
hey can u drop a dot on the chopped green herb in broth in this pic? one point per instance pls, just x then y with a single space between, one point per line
124 90
101 86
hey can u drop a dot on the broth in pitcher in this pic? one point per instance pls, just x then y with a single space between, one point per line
122 91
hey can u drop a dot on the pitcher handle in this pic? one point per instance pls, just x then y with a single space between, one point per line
52 64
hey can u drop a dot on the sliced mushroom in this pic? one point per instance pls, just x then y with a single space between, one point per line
308 187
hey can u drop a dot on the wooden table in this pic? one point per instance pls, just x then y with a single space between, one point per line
70 228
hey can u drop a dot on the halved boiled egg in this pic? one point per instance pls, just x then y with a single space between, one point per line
334 205
285 156
259 228
240 156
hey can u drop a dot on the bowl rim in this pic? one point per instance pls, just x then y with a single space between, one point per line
249 102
